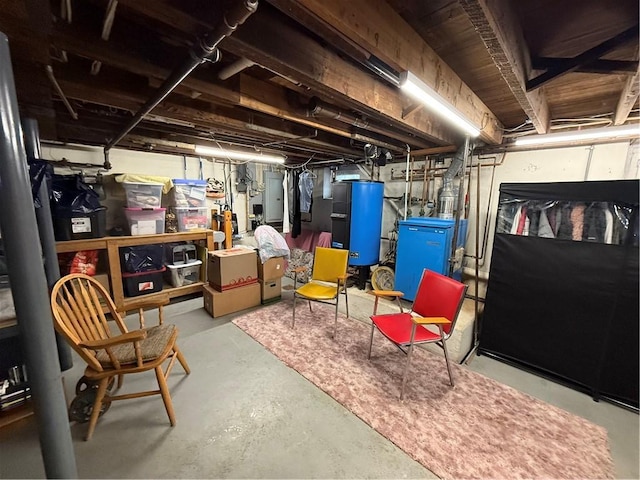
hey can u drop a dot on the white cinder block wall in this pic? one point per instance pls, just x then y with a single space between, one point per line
608 162
149 163
613 161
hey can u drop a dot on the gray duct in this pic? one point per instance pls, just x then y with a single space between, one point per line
317 108
456 163
204 50
447 199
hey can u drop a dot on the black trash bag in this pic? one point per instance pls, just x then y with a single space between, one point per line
39 171
71 196
142 258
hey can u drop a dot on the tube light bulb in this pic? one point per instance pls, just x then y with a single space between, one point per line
237 155
416 88
579 135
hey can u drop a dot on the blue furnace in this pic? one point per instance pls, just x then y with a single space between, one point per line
424 243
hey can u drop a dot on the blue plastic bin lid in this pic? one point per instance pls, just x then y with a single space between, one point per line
182 181
140 209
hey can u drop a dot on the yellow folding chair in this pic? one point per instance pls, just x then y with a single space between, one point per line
328 281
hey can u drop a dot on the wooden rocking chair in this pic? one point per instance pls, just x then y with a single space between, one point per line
77 302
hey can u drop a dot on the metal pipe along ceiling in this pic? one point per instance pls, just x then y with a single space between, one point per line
317 108
204 50
235 68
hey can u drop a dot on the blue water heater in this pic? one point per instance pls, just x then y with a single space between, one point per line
424 243
356 220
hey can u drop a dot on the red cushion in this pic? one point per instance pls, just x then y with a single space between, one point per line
397 328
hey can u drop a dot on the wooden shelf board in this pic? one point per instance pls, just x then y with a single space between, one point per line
15 414
130 302
126 241
162 238
77 245
9 328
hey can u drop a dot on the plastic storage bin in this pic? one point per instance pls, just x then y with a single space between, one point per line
145 221
179 275
179 254
135 284
81 225
192 218
188 193
143 195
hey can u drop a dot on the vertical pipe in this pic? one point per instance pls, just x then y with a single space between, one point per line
586 170
45 228
29 286
406 183
456 226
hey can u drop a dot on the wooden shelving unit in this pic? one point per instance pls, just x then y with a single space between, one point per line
18 413
112 246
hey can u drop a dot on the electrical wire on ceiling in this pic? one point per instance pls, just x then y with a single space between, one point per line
603 119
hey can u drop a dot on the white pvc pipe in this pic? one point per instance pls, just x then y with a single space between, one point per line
406 184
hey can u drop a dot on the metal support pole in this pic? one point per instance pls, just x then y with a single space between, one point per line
456 226
28 284
45 227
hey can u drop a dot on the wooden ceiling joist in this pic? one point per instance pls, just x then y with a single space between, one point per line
584 58
269 41
497 25
388 37
119 98
600 66
249 92
628 99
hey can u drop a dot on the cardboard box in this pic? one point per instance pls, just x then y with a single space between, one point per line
232 268
230 301
272 268
270 289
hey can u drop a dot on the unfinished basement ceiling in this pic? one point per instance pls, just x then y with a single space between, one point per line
310 78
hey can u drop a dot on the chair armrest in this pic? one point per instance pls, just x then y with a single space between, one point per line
128 337
430 320
299 269
387 293
344 277
158 302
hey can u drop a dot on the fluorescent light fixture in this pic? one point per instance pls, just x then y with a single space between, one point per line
413 86
237 155
580 135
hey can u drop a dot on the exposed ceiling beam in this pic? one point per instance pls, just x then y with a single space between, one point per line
584 58
249 92
435 150
628 99
498 26
94 48
266 45
606 67
204 117
270 41
322 29
376 27
166 14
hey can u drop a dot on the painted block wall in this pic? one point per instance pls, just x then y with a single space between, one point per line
608 162
150 163
613 161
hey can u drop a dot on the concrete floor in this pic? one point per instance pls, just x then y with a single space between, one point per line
243 414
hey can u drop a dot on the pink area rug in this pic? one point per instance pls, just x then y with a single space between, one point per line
478 429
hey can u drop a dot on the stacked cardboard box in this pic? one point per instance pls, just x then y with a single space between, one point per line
270 277
233 281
